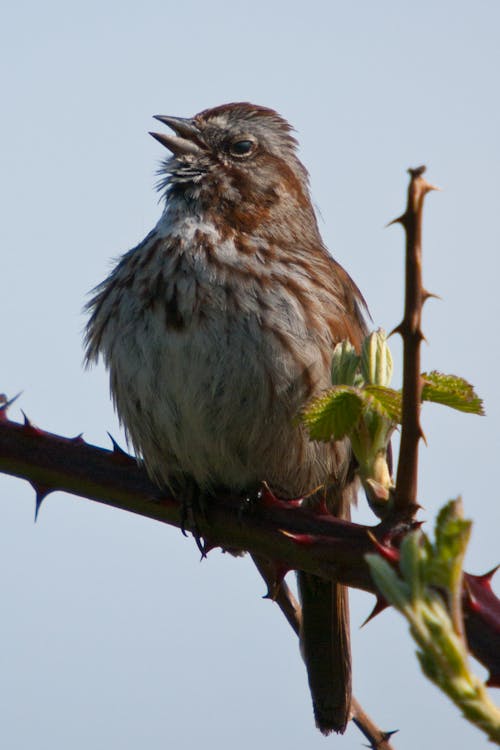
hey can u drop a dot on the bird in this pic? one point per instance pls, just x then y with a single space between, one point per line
217 330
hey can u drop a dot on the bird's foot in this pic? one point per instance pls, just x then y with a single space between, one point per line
193 506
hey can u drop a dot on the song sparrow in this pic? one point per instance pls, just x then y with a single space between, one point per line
220 326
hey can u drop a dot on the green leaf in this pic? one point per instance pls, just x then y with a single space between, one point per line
335 414
452 391
386 401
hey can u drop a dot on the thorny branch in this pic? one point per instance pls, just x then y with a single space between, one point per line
267 527
292 537
410 328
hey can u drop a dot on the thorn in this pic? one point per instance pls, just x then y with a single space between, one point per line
299 538
486 578
116 448
391 554
41 492
380 605
400 220
267 497
118 453
269 500
429 295
38 504
5 403
429 188
399 329
387 735
279 572
481 598
78 439
29 426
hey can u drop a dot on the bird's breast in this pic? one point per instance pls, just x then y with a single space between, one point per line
211 358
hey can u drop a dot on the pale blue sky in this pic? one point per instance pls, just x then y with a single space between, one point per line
112 634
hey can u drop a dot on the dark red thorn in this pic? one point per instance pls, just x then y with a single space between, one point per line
278 572
379 607
493 681
269 500
299 538
41 493
78 439
391 554
482 600
29 426
486 578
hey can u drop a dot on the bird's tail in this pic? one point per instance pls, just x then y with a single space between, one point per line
325 644
324 636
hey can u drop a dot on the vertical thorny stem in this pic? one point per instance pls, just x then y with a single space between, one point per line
405 494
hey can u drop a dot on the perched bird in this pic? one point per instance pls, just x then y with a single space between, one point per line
219 327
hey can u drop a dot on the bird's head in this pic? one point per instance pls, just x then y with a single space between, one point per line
235 156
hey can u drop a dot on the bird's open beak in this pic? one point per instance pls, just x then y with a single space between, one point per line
187 138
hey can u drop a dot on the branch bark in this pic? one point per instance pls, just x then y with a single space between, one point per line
410 328
289 538
270 528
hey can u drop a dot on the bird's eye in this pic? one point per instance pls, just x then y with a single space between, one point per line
245 147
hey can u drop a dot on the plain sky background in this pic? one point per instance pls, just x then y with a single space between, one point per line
112 634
